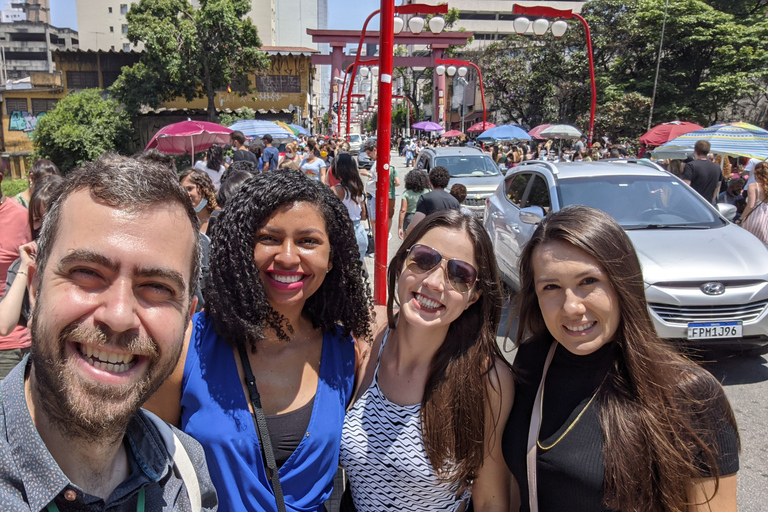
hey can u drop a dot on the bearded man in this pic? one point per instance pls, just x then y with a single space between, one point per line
116 270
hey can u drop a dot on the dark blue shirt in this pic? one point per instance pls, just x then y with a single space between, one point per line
30 478
270 156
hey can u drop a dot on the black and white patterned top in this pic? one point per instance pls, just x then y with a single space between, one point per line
30 479
383 452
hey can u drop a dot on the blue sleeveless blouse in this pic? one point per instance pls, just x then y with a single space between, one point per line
215 412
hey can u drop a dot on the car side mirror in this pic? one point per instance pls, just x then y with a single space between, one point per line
532 215
502 168
727 210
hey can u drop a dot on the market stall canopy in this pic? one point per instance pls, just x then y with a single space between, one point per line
561 131
428 126
189 137
733 139
665 132
535 132
504 132
252 128
480 127
452 133
301 129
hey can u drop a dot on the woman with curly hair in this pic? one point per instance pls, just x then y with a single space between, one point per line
755 216
274 346
615 418
416 185
425 430
202 193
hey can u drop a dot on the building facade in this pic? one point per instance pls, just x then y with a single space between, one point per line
102 25
26 46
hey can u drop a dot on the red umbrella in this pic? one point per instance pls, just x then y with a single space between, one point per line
535 132
452 133
665 132
189 137
480 127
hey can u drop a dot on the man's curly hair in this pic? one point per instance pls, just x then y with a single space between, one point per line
234 295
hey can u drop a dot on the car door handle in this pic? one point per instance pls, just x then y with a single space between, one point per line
515 228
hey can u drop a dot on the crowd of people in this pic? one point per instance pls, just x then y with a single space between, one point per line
207 340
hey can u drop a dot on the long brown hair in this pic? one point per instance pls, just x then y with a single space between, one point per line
653 399
761 176
456 392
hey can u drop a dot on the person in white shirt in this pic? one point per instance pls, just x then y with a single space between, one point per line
213 164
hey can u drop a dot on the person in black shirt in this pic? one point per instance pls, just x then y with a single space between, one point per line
606 415
237 140
436 200
703 175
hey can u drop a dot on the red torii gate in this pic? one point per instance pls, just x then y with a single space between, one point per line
338 39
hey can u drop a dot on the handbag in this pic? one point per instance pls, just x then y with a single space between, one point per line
371 247
260 421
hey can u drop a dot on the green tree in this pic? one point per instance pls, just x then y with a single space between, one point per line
80 128
230 119
189 52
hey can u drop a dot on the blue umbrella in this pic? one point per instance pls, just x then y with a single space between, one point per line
734 139
301 129
504 132
255 128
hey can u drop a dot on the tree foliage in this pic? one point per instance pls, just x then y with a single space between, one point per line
81 128
712 61
242 113
189 53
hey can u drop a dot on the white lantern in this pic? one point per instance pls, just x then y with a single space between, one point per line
375 70
521 25
558 28
436 24
463 71
363 71
440 70
451 70
416 24
540 27
399 23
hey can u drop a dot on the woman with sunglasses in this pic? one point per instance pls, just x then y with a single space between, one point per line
433 392
616 418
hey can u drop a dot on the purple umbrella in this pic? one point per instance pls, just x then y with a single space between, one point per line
428 126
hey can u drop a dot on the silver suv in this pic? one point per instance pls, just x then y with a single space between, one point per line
706 280
469 166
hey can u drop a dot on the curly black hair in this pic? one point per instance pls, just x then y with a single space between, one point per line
416 180
234 295
439 177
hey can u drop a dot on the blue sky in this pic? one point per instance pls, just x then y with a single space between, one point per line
342 14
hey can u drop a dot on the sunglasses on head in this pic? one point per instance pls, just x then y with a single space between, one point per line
421 259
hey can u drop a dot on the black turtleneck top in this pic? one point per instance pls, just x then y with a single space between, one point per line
570 474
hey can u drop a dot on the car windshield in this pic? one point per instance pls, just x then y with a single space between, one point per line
354 138
641 202
462 166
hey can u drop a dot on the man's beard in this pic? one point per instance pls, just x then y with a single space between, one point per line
81 408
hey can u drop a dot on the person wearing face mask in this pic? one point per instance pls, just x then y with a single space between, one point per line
291 159
202 193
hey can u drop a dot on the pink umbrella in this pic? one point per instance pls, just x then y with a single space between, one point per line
452 133
535 132
480 127
665 132
189 137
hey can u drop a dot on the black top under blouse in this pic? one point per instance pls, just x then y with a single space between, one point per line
570 474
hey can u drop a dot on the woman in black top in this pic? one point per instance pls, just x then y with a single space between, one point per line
620 420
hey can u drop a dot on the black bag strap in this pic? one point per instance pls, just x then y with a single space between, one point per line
261 427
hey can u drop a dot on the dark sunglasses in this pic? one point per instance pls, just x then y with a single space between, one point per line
421 259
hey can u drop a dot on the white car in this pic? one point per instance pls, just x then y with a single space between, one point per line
355 143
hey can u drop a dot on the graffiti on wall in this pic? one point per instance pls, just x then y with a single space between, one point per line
23 121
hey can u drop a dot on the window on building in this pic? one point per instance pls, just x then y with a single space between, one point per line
126 47
123 8
125 29
110 10
476 16
278 83
82 79
108 78
15 105
40 105
111 29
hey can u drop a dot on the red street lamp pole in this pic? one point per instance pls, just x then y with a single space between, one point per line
549 12
384 128
457 62
344 85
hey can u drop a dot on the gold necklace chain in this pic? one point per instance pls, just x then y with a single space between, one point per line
573 423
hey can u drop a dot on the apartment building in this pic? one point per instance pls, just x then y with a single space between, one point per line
26 46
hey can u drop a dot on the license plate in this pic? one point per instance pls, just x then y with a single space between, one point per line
709 330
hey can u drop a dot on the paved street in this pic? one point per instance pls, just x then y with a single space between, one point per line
745 381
